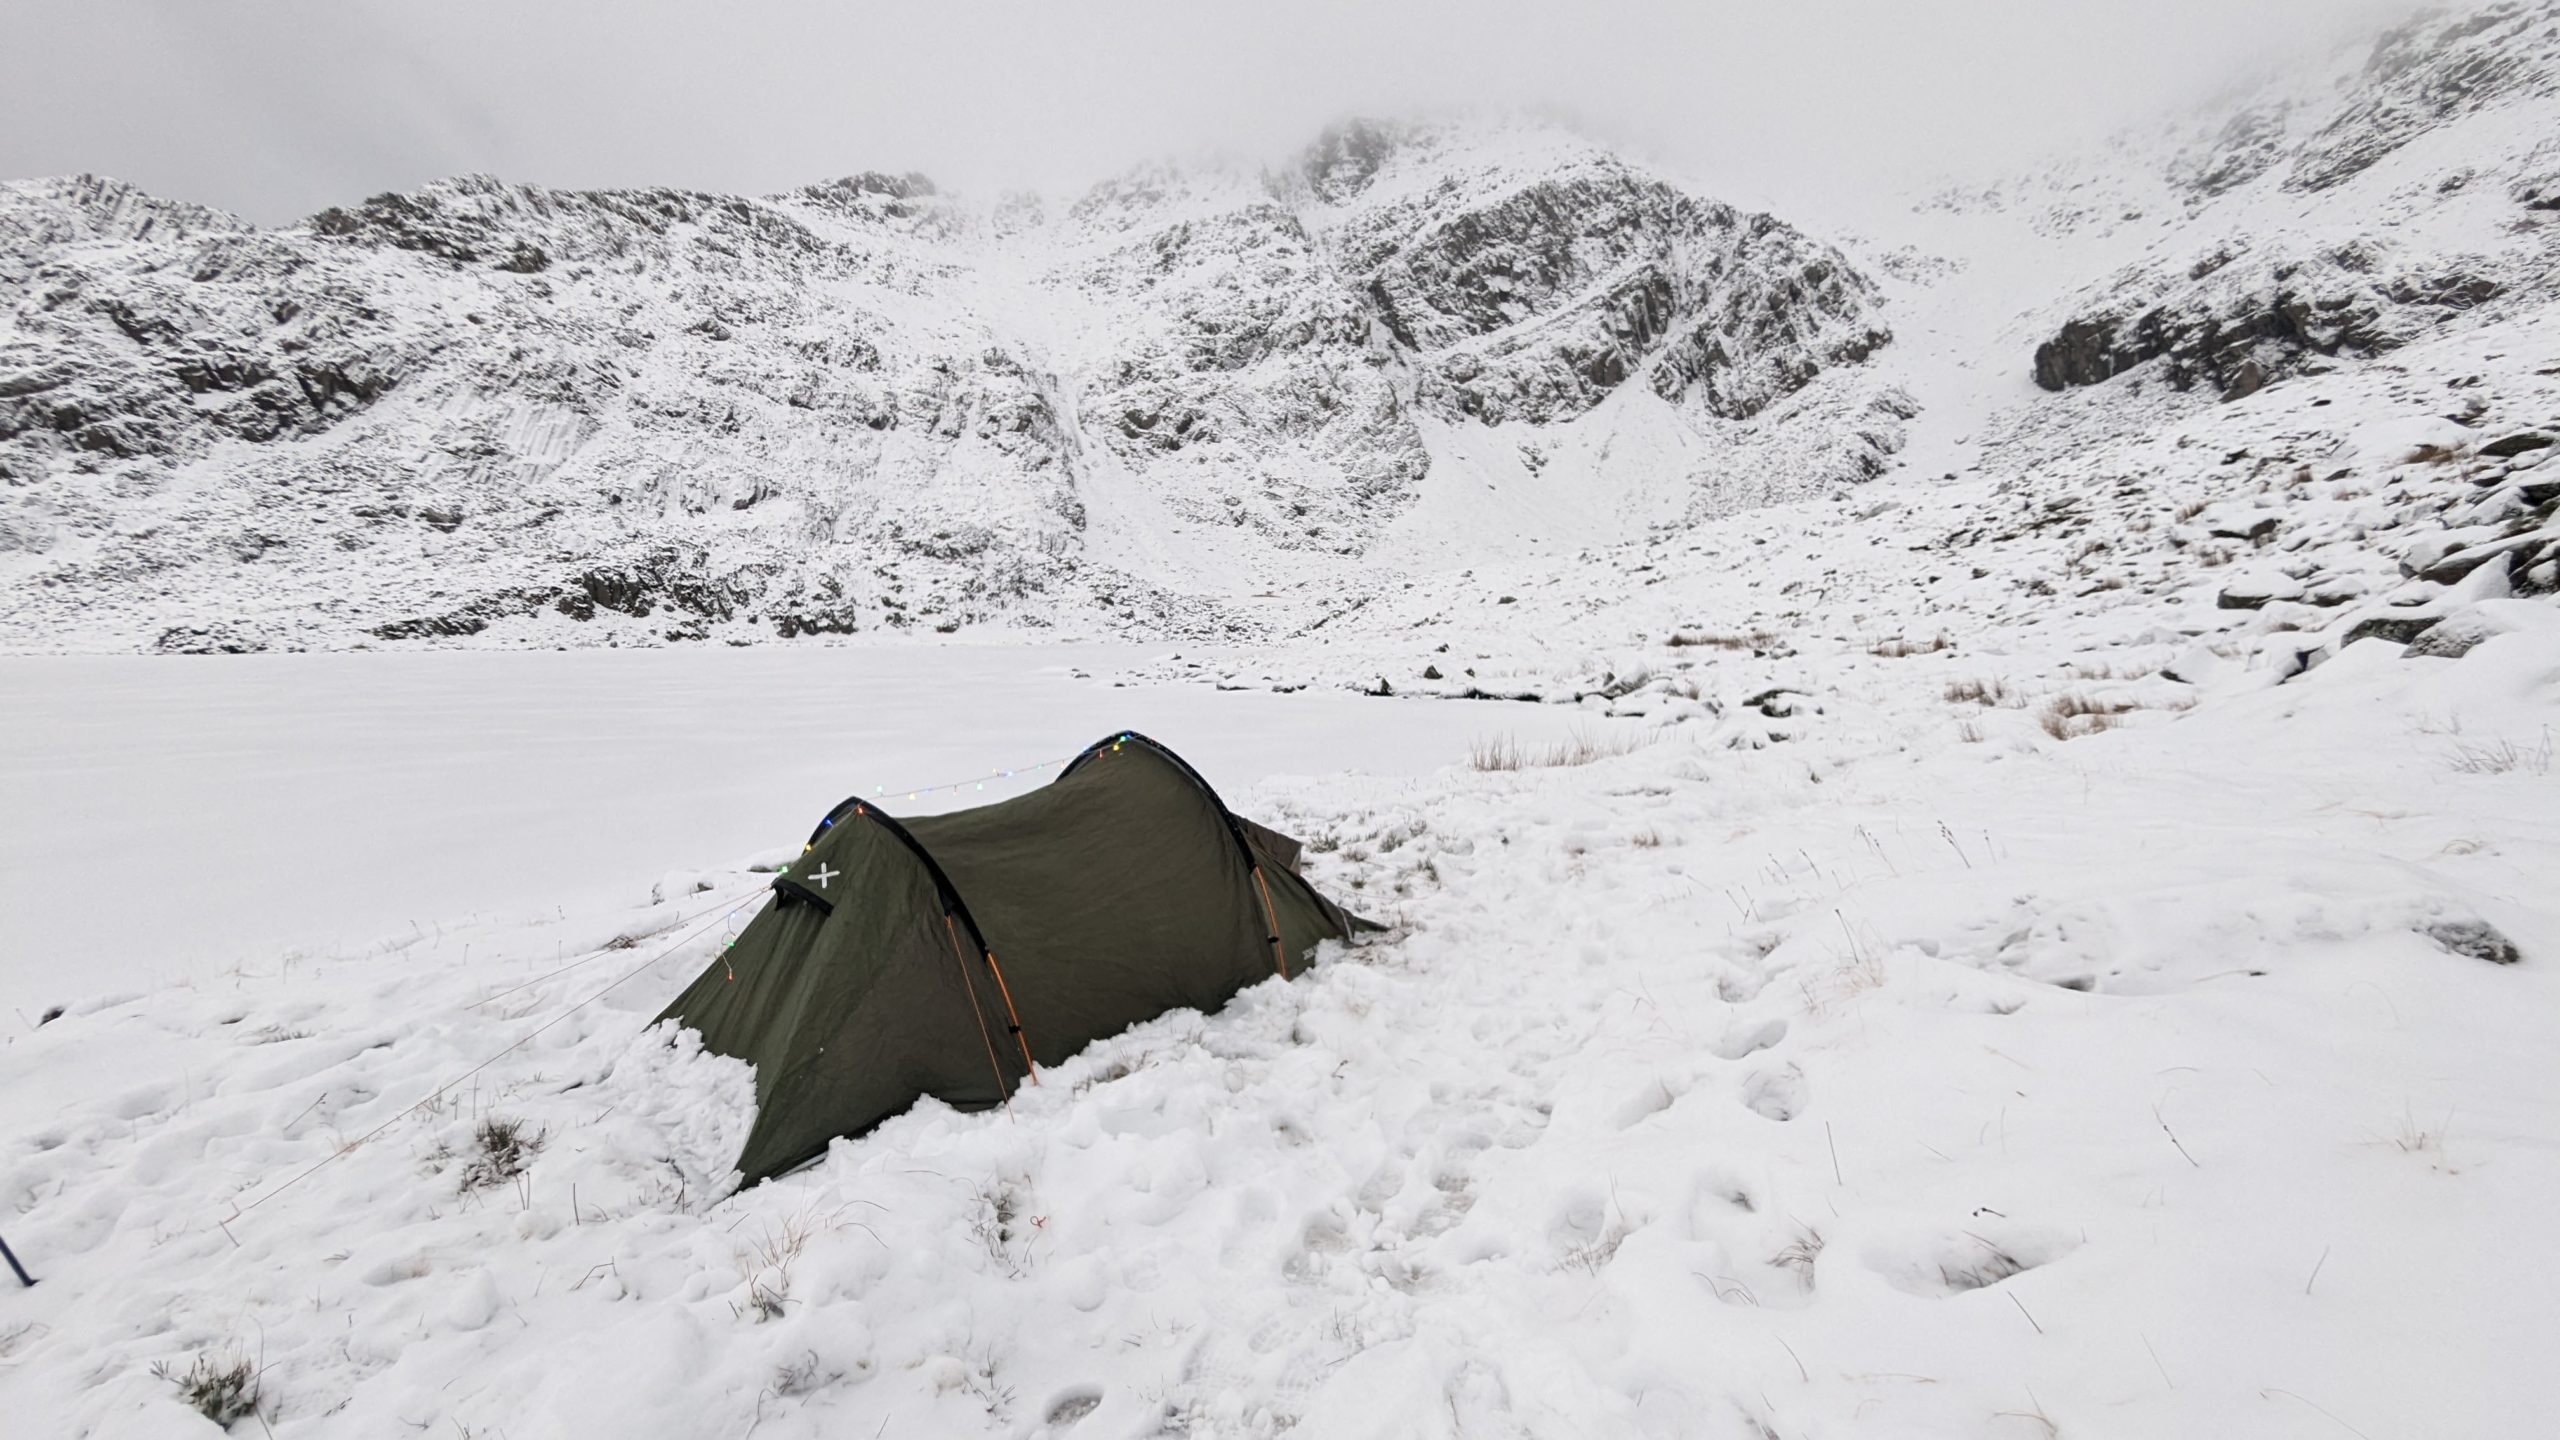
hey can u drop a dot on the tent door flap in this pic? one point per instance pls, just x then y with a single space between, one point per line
788 891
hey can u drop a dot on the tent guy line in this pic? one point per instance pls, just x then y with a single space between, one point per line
521 1041
1328 918
762 889
913 792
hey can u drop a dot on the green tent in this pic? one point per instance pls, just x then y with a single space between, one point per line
952 955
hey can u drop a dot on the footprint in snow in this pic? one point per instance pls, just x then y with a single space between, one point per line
1382 1185
1585 1231
1324 1237
145 1102
1952 1262
1749 1039
1779 1094
1072 1405
1652 1099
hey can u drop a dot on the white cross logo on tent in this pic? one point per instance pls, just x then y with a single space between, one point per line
822 875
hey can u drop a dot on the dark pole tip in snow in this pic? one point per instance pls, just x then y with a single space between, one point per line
11 1256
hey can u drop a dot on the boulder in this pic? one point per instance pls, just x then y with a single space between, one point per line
2516 444
2537 572
2453 637
2197 666
2456 564
2244 528
2398 629
2477 939
2254 591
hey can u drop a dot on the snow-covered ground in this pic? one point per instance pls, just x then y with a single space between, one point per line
1883 1081
164 823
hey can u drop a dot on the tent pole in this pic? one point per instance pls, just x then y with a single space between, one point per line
11 1256
1279 957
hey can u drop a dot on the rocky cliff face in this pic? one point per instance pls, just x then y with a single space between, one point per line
541 416
2341 220
1534 302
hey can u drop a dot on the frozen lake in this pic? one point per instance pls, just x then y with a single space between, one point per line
164 818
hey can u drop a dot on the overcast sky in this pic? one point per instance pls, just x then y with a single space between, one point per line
278 109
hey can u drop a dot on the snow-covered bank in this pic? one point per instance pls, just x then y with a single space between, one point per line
312 804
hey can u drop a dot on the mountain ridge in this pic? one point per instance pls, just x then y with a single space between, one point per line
1212 355
1206 401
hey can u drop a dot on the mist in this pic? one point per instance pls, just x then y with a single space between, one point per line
277 110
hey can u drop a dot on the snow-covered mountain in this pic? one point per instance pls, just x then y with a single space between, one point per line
495 408
1209 400
2337 216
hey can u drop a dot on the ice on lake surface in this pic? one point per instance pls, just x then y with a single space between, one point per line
167 818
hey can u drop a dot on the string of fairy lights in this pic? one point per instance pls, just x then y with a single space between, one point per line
728 908
973 783
980 782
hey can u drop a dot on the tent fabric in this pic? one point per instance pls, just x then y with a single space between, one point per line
948 954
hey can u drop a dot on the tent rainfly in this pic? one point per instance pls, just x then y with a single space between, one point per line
951 955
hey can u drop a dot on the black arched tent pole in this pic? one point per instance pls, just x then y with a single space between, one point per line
955 911
1118 738
943 889
11 1256
955 908
1235 828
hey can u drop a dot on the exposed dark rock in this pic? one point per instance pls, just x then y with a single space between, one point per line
2477 939
789 625
1346 158
1538 303
2452 638
2254 592
2419 75
207 640
2508 446
2398 629
2537 573
430 626
2238 332
2259 529
2249 145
